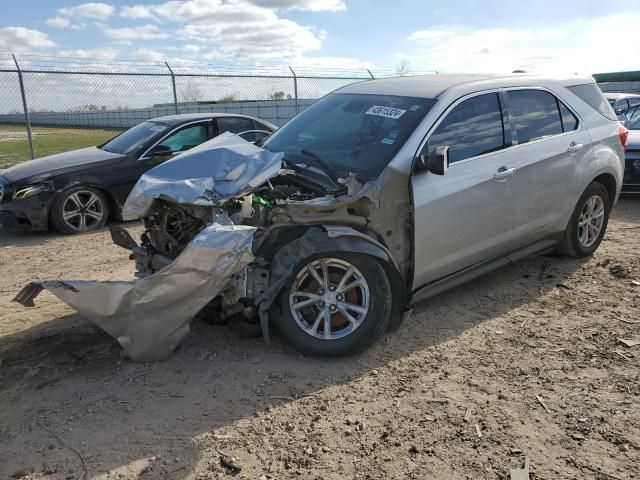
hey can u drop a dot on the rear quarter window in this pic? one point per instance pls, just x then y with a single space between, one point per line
591 94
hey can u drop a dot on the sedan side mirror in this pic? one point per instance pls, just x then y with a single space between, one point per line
619 110
161 151
436 163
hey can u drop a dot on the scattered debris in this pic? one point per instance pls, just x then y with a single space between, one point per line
563 286
541 402
619 271
438 400
578 437
478 431
520 473
604 263
628 342
467 414
635 283
229 463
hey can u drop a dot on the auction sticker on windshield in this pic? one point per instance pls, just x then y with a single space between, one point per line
388 112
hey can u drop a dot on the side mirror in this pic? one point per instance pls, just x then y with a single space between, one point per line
619 110
436 163
161 151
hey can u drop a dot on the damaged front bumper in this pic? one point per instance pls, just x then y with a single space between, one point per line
150 316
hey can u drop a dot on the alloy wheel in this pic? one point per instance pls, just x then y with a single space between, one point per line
591 221
83 210
329 298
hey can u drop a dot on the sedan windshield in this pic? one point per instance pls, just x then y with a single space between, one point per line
130 140
353 133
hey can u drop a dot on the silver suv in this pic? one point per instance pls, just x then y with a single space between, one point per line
381 194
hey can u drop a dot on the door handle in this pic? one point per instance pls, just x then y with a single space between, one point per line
574 147
503 173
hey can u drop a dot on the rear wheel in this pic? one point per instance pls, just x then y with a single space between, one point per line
79 209
336 304
588 222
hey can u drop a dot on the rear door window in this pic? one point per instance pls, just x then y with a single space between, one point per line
473 127
237 125
591 94
535 114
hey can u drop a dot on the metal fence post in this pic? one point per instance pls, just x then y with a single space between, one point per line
27 121
173 83
371 74
295 89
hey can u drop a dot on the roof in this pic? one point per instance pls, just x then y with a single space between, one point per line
434 85
192 117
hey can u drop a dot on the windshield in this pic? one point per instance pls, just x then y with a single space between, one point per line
353 133
130 140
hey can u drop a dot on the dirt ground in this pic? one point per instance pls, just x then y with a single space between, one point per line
521 363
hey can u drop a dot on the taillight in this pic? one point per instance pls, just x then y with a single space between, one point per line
624 136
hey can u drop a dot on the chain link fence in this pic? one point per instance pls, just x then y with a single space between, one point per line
50 105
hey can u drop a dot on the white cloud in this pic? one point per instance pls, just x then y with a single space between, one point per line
16 39
102 53
58 22
147 55
136 11
305 5
580 46
192 49
250 30
92 10
145 32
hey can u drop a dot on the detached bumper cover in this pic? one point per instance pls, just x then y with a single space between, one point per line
149 317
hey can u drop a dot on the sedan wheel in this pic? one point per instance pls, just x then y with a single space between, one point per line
80 210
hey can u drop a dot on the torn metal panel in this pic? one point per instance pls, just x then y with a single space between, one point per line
208 175
149 317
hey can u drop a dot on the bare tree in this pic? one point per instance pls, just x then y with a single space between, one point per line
191 92
403 68
279 95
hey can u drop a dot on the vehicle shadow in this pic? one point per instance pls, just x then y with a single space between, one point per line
69 376
11 238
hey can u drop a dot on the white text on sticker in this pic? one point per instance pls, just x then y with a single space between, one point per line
388 112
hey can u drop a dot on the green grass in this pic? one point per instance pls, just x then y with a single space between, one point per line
14 147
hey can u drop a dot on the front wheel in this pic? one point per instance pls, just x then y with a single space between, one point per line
588 222
336 304
80 209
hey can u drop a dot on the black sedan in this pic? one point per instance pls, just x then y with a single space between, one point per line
81 190
631 182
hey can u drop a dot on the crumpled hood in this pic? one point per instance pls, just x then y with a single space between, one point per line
210 174
46 167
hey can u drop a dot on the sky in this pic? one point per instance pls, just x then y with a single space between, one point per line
546 36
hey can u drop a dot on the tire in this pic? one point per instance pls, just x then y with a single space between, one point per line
579 239
89 205
372 295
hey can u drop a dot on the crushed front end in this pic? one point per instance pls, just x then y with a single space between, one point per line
225 225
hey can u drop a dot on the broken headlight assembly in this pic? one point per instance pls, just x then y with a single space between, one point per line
31 190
